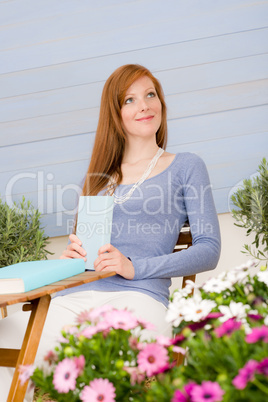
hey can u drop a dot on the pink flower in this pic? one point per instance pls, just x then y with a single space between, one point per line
25 372
245 374
180 397
121 319
65 375
98 390
208 391
83 317
178 349
96 313
136 376
89 331
258 334
51 357
152 358
133 342
164 340
227 328
184 396
146 325
263 367
80 363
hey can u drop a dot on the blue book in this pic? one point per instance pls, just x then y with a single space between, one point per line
94 224
30 275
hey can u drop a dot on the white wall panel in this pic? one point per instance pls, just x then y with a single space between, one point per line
55 56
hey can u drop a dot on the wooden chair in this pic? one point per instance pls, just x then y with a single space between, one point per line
184 242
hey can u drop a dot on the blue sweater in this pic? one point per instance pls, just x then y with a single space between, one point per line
146 228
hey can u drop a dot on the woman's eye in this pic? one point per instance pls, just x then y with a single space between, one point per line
151 94
128 100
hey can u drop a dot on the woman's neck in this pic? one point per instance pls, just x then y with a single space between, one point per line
138 152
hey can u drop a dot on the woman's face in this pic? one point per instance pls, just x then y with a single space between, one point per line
142 110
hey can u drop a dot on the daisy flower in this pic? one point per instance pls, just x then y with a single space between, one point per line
65 375
263 276
173 314
263 367
136 376
98 312
227 328
25 372
234 310
100 389
258 334
215 285
245 374
152 358
196 309
121 319
208 391
80 363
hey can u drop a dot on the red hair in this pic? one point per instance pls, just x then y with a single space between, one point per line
110 138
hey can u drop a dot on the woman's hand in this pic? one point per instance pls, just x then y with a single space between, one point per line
74 249
110 259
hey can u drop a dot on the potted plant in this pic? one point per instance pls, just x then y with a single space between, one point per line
224 329
251 202
21 235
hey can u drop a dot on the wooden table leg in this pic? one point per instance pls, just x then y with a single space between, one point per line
29 346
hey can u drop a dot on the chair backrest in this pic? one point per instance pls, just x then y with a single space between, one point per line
184 242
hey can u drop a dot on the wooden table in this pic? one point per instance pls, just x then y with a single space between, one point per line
38 301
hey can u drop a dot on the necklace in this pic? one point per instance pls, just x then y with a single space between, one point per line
125 197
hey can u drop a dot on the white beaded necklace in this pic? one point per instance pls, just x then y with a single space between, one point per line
125 197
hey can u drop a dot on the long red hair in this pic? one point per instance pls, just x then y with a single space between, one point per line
110 138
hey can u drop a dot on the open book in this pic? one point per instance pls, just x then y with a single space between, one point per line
94 224
25 276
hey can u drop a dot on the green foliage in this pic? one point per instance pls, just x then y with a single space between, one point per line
21 238
252 213
216 339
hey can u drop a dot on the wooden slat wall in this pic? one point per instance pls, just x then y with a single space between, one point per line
211 58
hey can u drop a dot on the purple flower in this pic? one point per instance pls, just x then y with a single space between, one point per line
199 325
255 317
263 367
258 334
245 374
227 328
180 397
65 375
184 396
208 391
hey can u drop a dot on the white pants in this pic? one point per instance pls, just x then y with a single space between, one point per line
63 311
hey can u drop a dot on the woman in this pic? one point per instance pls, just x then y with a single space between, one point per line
155 193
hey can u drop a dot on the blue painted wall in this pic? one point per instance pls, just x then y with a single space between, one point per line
210 56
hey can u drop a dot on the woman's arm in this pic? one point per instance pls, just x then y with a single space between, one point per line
205 252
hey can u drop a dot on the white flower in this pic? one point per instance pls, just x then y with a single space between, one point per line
266 321
263 276
234 309
174 312
216 285
181 293
236 275
190 285
196 309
